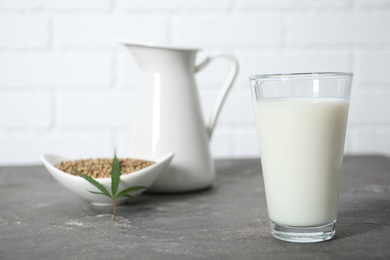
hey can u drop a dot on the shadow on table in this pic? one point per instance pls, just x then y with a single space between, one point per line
367 216
153 201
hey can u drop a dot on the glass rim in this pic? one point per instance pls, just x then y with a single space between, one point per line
304 75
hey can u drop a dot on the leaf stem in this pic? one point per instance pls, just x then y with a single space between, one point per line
114 205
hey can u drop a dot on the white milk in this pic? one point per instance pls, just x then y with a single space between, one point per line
302 145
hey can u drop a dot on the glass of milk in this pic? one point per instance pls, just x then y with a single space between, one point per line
301 122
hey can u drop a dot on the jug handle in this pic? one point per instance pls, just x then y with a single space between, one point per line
225 88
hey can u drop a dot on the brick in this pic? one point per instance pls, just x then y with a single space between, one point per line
58 70
77 4
123 143
247 144
372 67
369 106
174 4
289 62
369 28
207 102
237 108
372 3
104 31
292 3
341 28
24 32
26 148
372 141
20 4
215 73
319 29
25 110
55 4
221 143
225 30
128 71
348 145
81 70
103 109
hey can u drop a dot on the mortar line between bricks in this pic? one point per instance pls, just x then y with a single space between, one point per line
261 48
114 71
50 33
352 60
169 24
232 5
113 8
284 31
54 105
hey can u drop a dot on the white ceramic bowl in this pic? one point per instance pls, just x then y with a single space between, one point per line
144 177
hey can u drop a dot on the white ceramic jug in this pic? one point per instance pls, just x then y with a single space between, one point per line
169 117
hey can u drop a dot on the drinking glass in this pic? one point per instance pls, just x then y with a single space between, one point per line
301 122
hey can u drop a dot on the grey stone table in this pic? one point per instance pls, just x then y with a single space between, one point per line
39 219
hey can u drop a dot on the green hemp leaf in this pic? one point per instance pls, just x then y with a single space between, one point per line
115 180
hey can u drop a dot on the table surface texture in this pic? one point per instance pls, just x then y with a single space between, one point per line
39 219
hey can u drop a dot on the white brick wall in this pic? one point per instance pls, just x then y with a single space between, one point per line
67 87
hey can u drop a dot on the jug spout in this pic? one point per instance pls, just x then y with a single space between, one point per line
150 56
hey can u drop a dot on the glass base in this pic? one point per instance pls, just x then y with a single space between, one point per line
303 234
